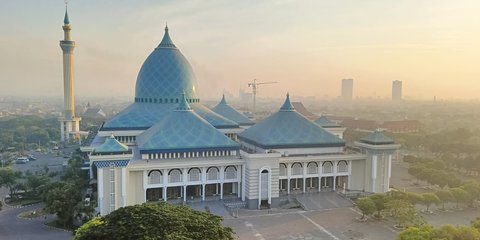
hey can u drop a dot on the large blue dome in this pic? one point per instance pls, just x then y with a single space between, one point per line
165 75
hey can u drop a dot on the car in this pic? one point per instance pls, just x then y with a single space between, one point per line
22 160
55 148
31 157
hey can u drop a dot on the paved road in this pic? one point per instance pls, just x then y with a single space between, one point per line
324 200
14 228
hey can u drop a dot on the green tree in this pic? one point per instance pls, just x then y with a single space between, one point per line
445 197
429 199
366 206
460 195
155 221
9 179
36 182
402 211
380 200
416 233
473 190
62 199
415 198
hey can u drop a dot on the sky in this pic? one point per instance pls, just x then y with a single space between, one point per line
307 46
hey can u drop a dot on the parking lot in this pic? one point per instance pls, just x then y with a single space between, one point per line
331 224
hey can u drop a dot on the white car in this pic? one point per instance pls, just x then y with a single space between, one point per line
22 160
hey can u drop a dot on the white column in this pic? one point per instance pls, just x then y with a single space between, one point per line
349 173
389 166
222 177
145 182
335 170
165 183
259 188
239 181
374 172
184 183
243 182
204 179
319 169
124 187
100 190
289 172
304 176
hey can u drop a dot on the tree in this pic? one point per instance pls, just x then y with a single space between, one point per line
473 190
429 199
415 198
402 211
62 199
416 233
155 221
460 195
366 206
379 199
8 179
36 182
445 197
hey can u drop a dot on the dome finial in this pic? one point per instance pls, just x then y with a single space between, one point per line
287 105
223 101
66 20
167 41
183 104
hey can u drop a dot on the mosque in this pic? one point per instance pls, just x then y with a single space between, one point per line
167 146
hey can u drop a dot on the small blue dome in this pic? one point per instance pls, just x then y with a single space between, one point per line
165 75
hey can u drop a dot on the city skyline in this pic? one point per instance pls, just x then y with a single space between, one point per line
307 54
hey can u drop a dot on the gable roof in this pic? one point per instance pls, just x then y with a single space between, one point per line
227 111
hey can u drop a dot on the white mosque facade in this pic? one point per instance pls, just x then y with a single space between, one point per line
167 146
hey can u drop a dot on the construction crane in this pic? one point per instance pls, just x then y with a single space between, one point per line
254 86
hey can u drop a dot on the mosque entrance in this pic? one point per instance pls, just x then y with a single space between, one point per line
154 194
194 192
311 184
174 192
229 189
327 183
296 185
342 182
212 189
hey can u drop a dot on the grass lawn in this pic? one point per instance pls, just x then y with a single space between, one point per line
23 202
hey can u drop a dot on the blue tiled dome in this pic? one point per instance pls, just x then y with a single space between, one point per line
166 74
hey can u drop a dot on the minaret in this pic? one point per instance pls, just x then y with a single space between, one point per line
70 124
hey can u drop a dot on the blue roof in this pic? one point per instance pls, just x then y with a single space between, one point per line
325 122
377 138
288 129
111 145
165 74
183 130
141 116
111 163
227 111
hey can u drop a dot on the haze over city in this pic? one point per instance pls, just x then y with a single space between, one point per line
308 46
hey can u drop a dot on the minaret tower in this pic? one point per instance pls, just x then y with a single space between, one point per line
70 124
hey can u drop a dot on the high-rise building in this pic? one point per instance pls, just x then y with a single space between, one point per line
397 90
69 123
347 88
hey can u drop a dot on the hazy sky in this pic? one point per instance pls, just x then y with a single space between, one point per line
433 46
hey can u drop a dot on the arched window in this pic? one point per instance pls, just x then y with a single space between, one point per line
175 175
212 173
342 166
155 177
194 174
327 167
312 168
230 172
297 169
283 169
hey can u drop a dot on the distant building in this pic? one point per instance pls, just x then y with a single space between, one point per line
347 88
402 126
397 90
94 113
